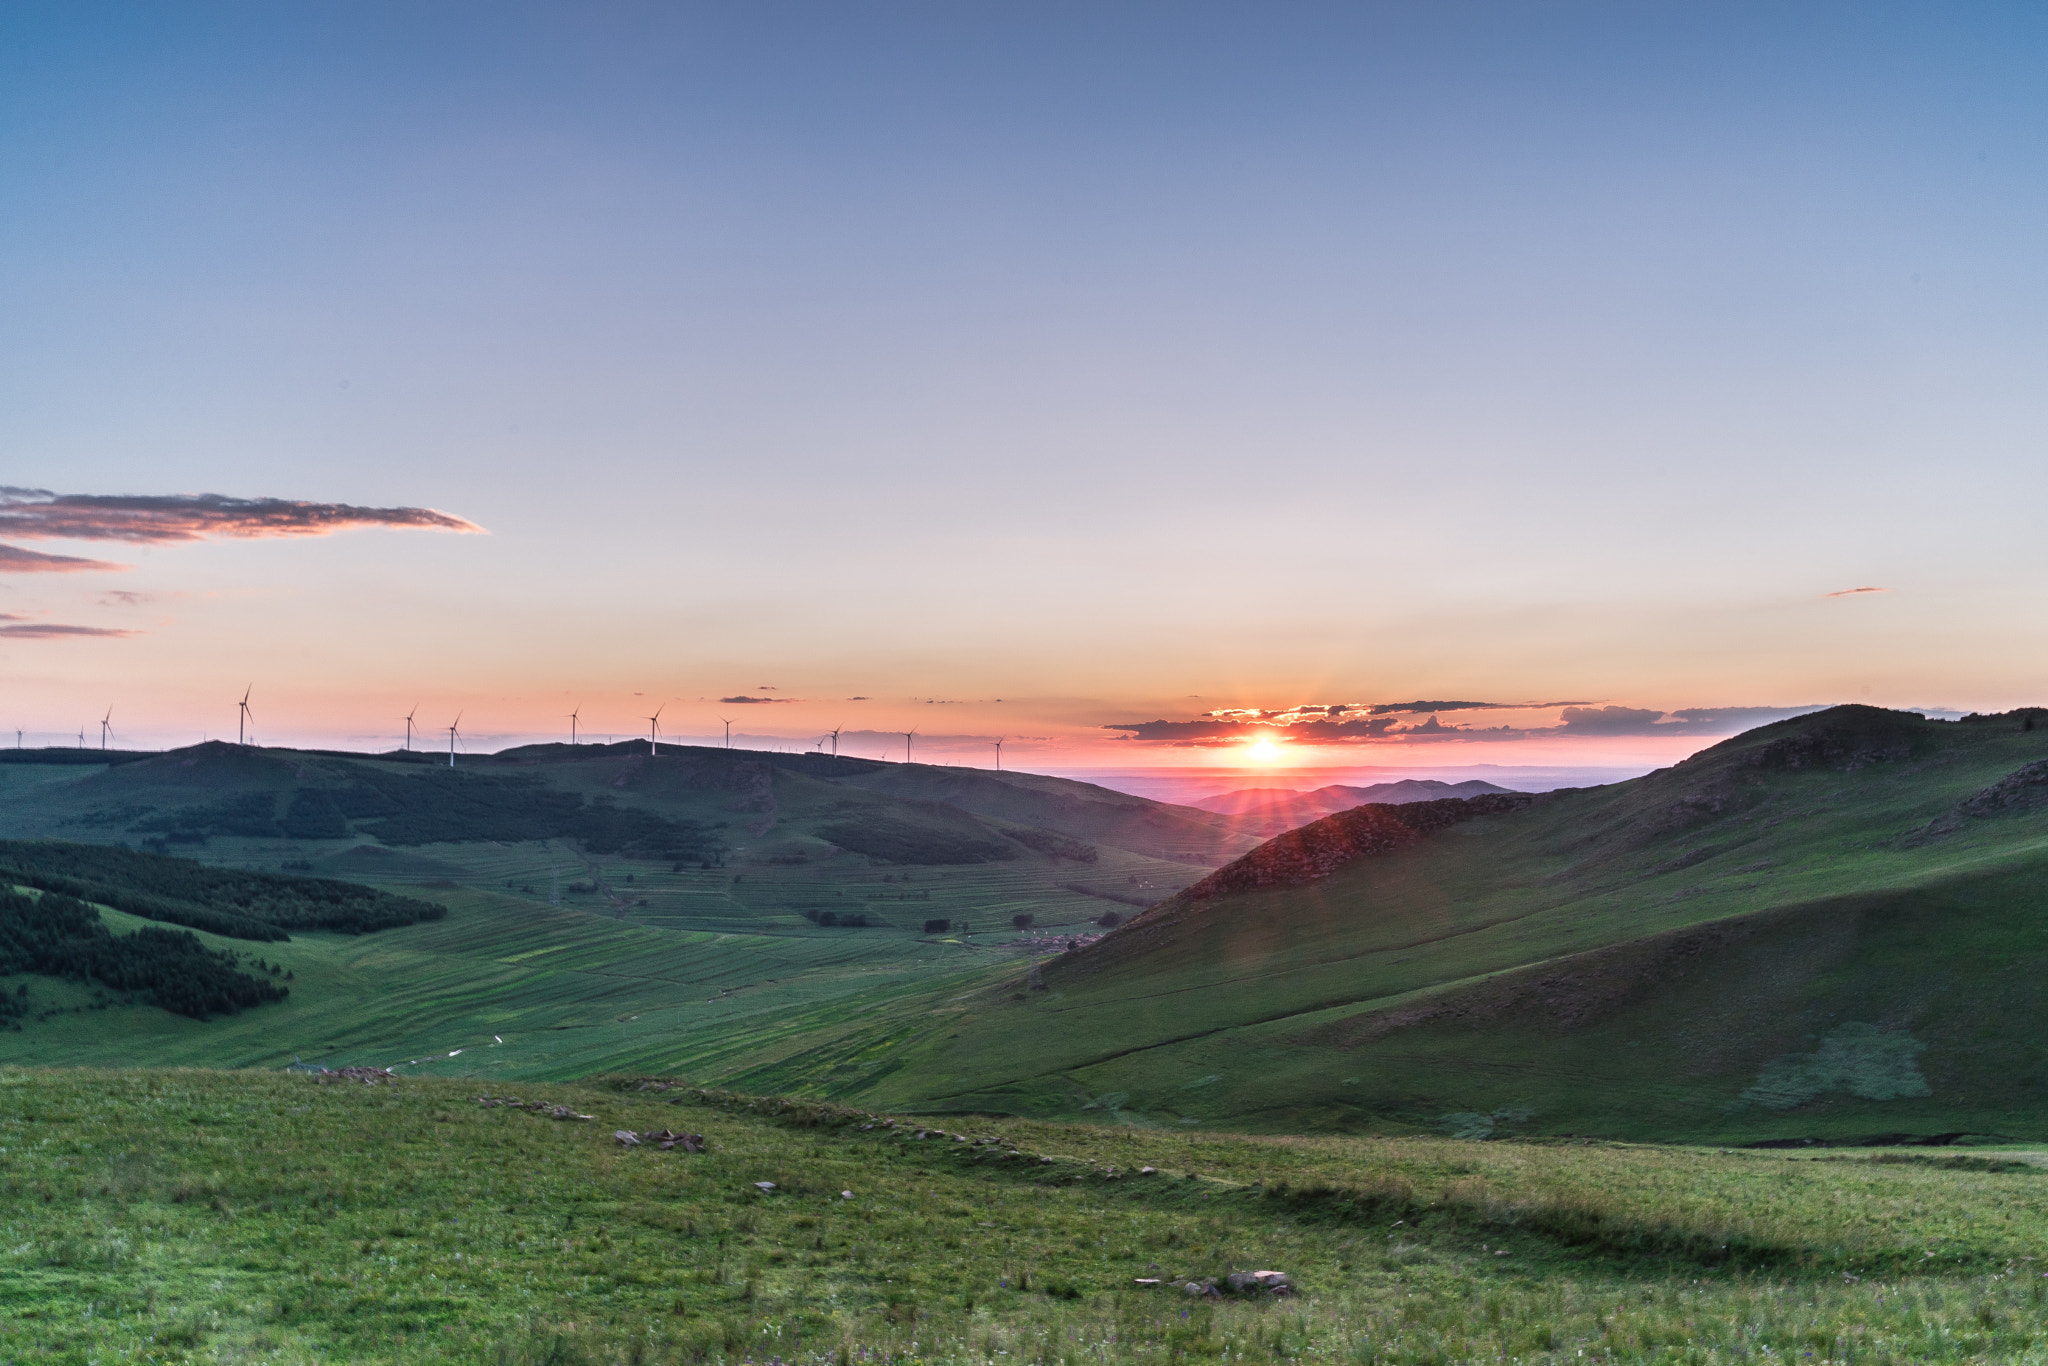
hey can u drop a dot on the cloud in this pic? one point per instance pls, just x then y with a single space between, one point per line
57 631
156 519
1345 724
1181 732
15 560
1381 708
1686 721
1852 592
1729 720
1608 720
756 701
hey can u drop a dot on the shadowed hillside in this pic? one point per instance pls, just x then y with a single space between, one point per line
1831 925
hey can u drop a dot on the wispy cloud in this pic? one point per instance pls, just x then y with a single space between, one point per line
15 560
155 519
753 701
1686 721
1608 720
1852 592
50 630
1353 724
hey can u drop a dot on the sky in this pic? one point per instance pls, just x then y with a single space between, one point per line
1137 382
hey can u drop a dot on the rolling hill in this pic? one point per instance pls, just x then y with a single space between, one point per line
1270 810
1835 926
601 903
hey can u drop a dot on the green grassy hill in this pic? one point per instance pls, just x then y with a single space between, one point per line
186 1216
605 907
1835 925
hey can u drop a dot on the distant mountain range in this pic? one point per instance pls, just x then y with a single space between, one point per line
1270 810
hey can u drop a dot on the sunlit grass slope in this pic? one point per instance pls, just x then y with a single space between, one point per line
520 990
1792 934
176 1216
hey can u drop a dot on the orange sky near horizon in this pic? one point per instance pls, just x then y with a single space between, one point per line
1128 370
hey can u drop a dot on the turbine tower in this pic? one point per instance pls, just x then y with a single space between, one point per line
453 734
906 744
106 723
999 752
835 740
572 722
654 729
242 721
408 725
728 731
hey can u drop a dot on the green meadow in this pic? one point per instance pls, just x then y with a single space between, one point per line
606 908
1823 928
219 1216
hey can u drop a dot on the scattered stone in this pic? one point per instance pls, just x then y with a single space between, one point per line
689 1143
1259 1282
627 1138
539 1107
764 1186
368 1076
1046 1160
1146 1280
1204 1289
846 1195
1148 1171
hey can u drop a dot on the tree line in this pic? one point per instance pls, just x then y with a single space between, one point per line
55 935
236 903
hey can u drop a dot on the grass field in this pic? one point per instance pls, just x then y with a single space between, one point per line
1650 960
580 960
1794 934
205 1216
568 993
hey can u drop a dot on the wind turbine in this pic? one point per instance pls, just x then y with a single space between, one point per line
654 729
999 752
835 740
453 733
572 722
728 731
242 721
106 723
906 744
408 724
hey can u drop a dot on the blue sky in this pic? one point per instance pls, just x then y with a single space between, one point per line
1118 361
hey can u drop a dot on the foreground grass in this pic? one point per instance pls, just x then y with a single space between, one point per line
204 1216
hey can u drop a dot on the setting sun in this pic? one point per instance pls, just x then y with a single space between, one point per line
1262 751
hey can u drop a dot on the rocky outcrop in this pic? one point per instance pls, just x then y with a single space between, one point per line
2023 789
